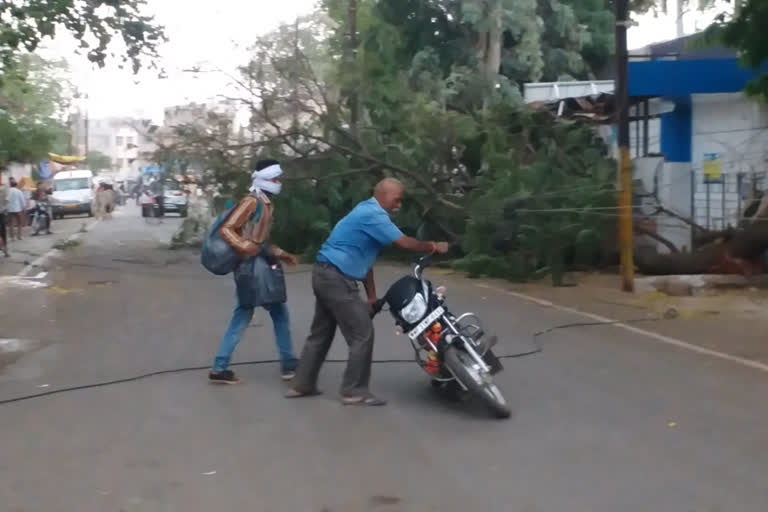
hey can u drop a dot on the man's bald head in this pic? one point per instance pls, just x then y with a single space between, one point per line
389 193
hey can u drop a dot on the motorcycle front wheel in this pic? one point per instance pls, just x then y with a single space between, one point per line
36 225
479 383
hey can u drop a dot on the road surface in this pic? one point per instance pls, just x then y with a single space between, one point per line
604 420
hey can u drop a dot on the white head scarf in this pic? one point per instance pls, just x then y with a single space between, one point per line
261 180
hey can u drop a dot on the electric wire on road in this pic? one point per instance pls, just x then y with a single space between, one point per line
537 348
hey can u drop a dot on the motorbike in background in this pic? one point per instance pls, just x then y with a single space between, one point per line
41 217
451 350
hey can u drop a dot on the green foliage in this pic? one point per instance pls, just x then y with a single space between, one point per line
25 24
98 161
528 209
32 101
411 96
747 34
598 21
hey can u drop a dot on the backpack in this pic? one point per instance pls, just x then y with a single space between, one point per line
218 257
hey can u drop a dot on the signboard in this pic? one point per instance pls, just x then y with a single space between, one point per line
151 169
44 170
713 168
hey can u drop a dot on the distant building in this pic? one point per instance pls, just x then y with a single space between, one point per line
203 116
200 114
124 140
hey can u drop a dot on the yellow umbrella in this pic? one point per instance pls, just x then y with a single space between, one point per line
62 159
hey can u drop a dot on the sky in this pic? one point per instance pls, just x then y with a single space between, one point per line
214 34
205 33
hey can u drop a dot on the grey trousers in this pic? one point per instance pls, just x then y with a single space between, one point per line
337 303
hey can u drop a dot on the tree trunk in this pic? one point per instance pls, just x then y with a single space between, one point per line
736 252
489 42
492 61
295 92
762 209
679 12
354 99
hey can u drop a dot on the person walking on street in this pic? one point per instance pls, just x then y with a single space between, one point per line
17 204
347 258
247 230
3 215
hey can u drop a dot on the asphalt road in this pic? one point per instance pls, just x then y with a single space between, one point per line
604 420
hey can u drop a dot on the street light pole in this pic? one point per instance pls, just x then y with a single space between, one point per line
626 243
86 126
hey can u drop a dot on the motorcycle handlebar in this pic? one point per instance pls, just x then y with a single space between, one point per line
422 263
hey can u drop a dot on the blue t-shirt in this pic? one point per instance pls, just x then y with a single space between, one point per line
358 238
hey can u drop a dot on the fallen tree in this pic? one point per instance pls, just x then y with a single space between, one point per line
732 251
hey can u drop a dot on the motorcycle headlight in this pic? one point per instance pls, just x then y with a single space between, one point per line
414 310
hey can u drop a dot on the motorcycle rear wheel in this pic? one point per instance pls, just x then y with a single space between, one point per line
479 385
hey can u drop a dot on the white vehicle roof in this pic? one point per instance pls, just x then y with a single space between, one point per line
78 173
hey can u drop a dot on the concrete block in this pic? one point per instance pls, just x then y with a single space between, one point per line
687 285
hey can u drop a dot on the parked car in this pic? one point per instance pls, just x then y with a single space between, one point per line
175 198
72 193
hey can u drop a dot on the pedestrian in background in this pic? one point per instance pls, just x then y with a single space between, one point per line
346 259
247 230
3 215
17 205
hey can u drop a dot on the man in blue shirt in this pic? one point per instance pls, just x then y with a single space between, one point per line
347 258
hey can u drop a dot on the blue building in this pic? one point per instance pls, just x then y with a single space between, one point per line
699 144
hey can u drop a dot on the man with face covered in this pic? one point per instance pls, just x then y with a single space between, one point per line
247 230
347 258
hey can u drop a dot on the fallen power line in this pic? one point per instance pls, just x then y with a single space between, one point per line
537 349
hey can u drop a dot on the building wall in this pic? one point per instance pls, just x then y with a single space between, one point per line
119 139
733 130
125 157
551 91
17 171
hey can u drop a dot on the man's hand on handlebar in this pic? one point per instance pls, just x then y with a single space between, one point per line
440 247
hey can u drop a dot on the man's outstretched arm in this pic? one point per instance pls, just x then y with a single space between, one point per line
414 245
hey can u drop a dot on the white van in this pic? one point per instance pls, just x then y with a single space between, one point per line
72 193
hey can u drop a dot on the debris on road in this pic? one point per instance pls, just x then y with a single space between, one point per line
63 245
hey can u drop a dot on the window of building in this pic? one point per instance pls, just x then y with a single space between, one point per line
131 141
120 163
119 141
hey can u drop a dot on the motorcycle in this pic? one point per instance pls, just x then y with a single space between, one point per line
453 351
41 218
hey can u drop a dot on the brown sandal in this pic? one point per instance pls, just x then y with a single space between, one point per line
368 400
293 393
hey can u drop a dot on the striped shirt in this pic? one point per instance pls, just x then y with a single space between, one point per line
243 229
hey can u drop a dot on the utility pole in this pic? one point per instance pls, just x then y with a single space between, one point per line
626 242
86 126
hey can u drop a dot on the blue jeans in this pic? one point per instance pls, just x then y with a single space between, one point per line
241 318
